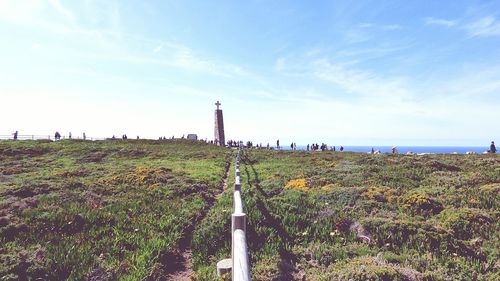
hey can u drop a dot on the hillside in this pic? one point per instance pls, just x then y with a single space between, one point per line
128 209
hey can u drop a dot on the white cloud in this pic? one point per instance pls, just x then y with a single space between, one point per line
280 64
392 27
441 22
484 27
158 48
62 10
365 25
360 82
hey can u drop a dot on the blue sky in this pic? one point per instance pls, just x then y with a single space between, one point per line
341 72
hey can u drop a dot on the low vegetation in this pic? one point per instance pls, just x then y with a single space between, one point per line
123 210
101 210
353 216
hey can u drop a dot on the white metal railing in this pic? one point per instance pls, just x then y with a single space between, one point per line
239 263
45 137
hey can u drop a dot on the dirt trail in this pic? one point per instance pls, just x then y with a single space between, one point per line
181 267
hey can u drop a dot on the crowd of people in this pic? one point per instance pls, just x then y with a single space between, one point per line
249 144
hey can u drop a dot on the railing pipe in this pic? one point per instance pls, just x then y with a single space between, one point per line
241 268
238 203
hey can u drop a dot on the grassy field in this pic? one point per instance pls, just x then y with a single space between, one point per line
101 210
352 216
123 210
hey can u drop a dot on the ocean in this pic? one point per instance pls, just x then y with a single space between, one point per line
414 149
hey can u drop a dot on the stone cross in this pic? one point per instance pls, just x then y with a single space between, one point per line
217 104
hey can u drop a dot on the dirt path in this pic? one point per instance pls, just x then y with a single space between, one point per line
181 267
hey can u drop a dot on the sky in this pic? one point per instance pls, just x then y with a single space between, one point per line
341 72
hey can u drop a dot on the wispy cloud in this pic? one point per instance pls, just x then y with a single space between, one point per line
441 22
108 39
362 83
487 26
366 25
484 27
392 27
62 10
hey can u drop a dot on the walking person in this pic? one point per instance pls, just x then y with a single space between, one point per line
394 150
278 144
493 148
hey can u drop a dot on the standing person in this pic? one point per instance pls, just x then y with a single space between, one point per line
394 150
57 136
278 144
373 151
307 147
341 148
493 149
334 148
84 136
69 135
15 135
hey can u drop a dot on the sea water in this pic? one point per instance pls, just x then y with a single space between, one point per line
405 149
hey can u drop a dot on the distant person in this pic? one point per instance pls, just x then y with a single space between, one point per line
137 137
84 136
69 135
57 136
278 144
373 151
493 148
394 150
334 148
341 148
307 147
15 135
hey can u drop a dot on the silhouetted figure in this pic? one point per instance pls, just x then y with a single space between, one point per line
84 136
394 150
341 148
373 150
493 148
69 135
278 144
137 137
334 148
15 135
307 147
57 136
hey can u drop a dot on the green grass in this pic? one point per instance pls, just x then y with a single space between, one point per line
120 209
74 209
432 217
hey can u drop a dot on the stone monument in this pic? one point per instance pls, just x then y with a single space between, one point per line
219 126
